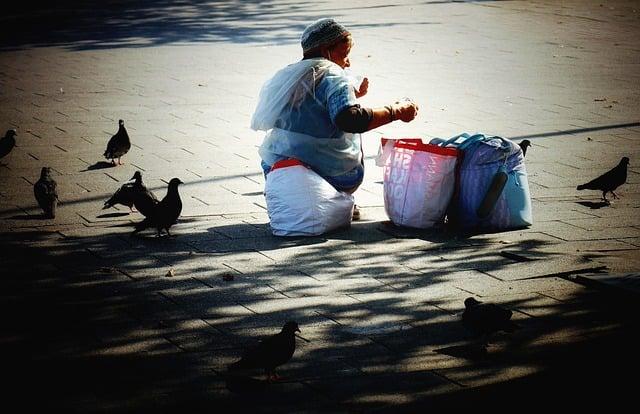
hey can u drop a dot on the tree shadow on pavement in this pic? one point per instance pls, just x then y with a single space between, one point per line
142 23
102 307
111 24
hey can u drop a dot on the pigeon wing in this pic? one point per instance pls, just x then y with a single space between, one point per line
145 202
46 193
119 144
486 318
252 357
124 195
495 317
268 354
40 192
169 210
610 180
51 188
597 183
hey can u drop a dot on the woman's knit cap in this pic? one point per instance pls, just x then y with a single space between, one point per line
320 33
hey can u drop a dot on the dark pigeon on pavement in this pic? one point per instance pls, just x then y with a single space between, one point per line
270 353
165 214
7 143
485 319
46 192
609 181
524 144
118 145
143 199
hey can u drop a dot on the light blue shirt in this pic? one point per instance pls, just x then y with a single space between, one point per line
316 114
311 93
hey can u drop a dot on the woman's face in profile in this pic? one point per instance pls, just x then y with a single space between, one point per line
339 53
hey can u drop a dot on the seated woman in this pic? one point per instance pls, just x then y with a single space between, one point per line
310 112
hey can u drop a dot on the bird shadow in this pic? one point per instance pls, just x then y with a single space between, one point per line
593 205
40 216
111 215
99 166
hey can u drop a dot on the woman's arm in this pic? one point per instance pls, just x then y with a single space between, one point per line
356 119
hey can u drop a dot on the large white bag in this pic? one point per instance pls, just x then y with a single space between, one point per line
419 180
301 203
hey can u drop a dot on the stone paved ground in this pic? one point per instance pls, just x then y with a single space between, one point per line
91 322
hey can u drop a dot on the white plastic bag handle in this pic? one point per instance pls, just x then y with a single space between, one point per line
384 152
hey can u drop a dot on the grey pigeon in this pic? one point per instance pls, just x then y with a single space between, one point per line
46 192
124 196
485 319
143 199
166 212
270 353
7 142
119 144
524 144
608 181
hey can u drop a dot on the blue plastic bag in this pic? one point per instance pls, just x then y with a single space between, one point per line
483 199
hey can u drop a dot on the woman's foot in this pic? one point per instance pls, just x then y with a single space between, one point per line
356 213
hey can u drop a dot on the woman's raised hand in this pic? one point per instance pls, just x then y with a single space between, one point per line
364 87
405 110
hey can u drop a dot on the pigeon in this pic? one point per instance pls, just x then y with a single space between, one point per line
485 319
46 192
524 144
118 145
7 142
166 212
124 195
608 181
143 199
270 352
